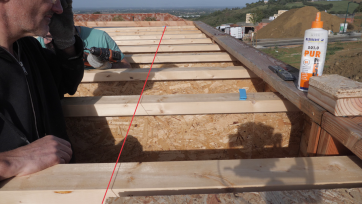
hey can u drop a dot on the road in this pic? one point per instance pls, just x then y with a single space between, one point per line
265 43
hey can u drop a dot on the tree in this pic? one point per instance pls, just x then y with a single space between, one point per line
97 12
256 16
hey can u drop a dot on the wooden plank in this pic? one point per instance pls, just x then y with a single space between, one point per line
164 41
86 183
164 74
178 104
157 37
170 48
329 146
179 57
258 62
339 95
310 138
346 130
153 29
133 23
313 141
170 32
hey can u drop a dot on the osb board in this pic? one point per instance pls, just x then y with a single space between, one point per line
346 196
186 137
169 87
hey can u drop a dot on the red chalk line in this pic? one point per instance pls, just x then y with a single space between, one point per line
115 166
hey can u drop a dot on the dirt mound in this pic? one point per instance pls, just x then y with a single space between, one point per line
293 23
350 67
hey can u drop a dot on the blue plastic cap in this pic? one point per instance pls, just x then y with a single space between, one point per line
242 94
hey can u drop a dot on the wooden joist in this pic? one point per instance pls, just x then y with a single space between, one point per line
133 23
339 95
164 74
328 146
258 62
143 29
170 48
347 131
157 37
180 58
164 41
178 104
170 32
87 183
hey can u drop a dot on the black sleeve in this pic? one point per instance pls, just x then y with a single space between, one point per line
68 72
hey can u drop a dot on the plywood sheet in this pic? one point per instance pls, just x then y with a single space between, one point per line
169 87
187 137
348 196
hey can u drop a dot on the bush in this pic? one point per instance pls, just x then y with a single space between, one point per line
350 26
117 18
320 7
150 19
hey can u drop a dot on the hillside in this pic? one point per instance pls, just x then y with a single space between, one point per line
293 23
239 14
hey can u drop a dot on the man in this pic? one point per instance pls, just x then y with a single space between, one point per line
32 82
93 38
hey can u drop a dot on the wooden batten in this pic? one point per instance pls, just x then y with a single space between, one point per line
170 48
165 74
86 183
179 104
339 95
157 37
150 29
179 58
164 41
170 32
134 23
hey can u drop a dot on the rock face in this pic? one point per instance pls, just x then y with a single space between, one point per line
293 23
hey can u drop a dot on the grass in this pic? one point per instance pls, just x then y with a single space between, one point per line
293 56
339 6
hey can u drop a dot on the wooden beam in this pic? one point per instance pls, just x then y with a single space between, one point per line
310 138
339 95
170 48
170 32
143 29
180 57
133 23
258 62
347 130
86 183
178 104
164 74
164 41
157 37
313 141
329 146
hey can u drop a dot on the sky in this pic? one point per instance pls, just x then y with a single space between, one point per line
78 4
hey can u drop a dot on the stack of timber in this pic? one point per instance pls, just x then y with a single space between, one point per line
191 117
339 95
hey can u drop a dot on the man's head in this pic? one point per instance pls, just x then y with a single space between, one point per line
28 17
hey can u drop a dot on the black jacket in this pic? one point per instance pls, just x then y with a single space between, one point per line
30 94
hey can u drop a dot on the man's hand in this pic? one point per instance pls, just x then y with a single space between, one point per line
41 154
62 26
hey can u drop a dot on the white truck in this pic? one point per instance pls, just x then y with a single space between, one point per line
236 32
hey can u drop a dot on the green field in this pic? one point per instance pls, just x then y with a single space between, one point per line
339 6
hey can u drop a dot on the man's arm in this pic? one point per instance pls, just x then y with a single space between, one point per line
41 154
